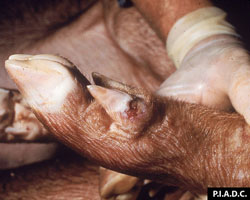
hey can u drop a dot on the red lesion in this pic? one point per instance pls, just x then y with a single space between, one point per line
133 110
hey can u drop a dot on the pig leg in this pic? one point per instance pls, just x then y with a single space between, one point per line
202 84
22 138
88 45
95 39
121 24
213 68
90 42
162 134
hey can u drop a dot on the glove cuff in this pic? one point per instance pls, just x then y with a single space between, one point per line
195 27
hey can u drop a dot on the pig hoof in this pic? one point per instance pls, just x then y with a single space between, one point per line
117 186
19 129
17 121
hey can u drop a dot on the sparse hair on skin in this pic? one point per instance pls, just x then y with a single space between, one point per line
25 21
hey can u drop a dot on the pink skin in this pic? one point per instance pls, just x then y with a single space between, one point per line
80 47
162 143
147 69
82 59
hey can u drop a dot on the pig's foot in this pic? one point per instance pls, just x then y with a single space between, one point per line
133 131
21 133
17 121
116 186
215 73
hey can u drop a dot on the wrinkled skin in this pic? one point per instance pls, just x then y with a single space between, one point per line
94 39
148 65
161 134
